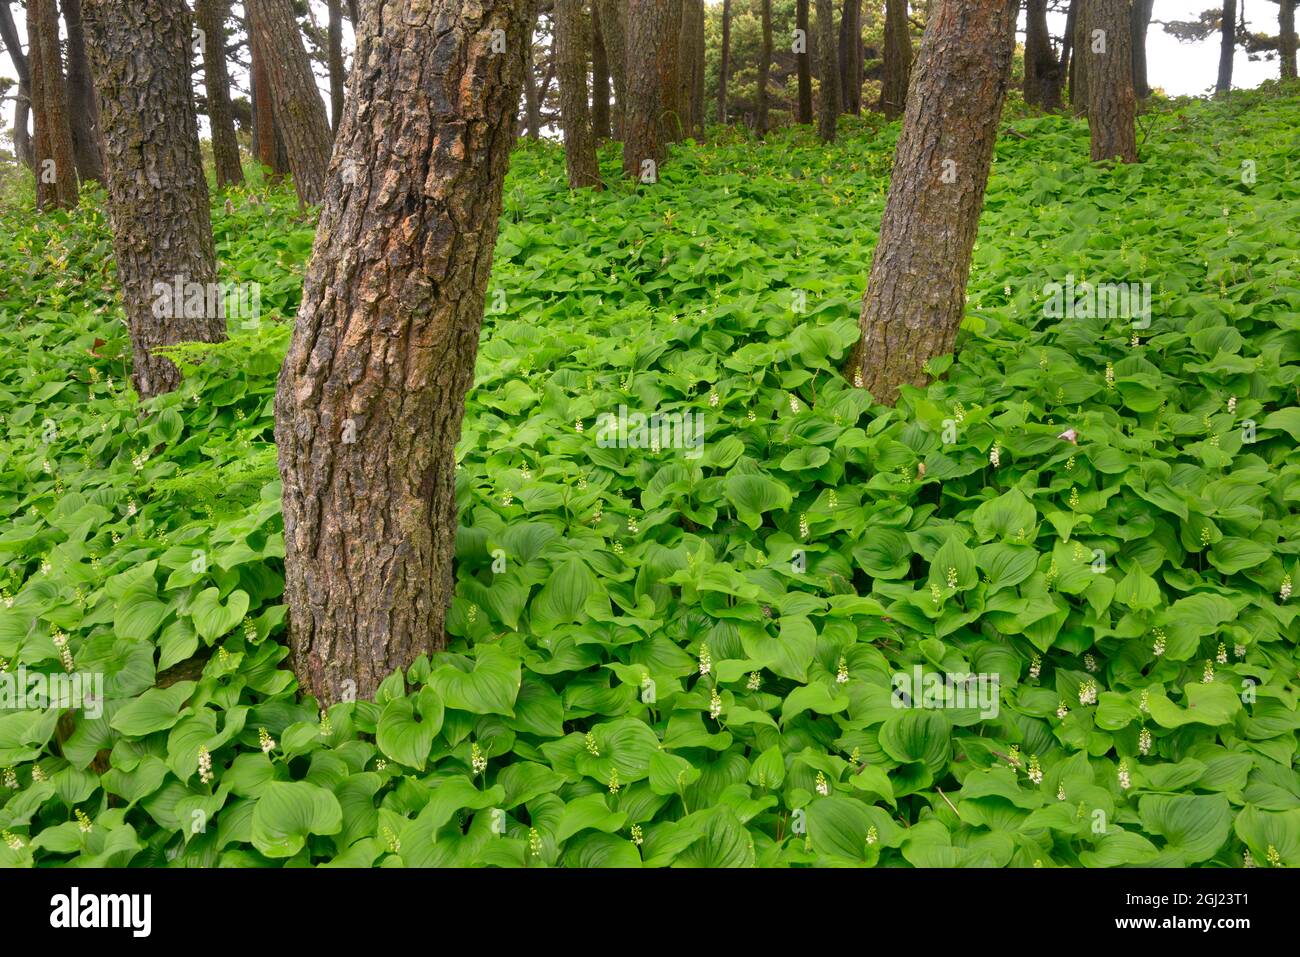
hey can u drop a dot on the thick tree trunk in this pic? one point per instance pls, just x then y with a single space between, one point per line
670 116
298 108
83 110
850 55
828 72
263 111
690 49
337 78
1082 57
1227 45
23 101
724 64
56 165
613 31
803 61
764 65
647 35
157 196
372 391
916 294
1042 73
575 119
898 59
1286 43
211 18
599 77
1141 14
1112 107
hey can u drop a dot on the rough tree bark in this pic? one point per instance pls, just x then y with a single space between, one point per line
850 56
23 101
297 105
1112 106
532 109
916 293
828 72
1042 85
371 394
337 77
613 31
803 61
764 65
1227 45
647 34
575 118
669 60
690 48
263 110
211 18
1141 14
599 77
83 110
1066 63
1286 42
157 196
898 59
56 165
697 64
724 64
1079 65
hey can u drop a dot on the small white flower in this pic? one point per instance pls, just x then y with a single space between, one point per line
1036 666
1090 663
1144 741
715 704
706 660
995 456
265 741
205 765
755 680
823 786
1124 781
1088 692
842 673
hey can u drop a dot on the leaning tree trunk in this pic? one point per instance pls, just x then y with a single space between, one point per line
1141 14
613 31
297 104
372 391
211 18
337 78
803 61
1227 45
898 60
23 101
1082 56
1112 106
83 111
828 72
1042 85
575 119
56 166
1286 38
916 293
724 64
599 77
764 65
157 196
647 35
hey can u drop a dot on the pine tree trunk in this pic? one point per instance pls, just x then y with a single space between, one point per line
297 105
1082 56
263 111
575 118
690 49
898 59
1066 63
803 61
83 110
532 109
828 72
647 34
670 111
337 78
1141 13
56 166
599 77
697 61
372 392
764 65
916 294
724 64
1286 44
613 31
1112 106
1227 45
850 56
211 18
1042 85
157 196
23 101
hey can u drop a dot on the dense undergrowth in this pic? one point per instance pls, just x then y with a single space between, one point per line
667 659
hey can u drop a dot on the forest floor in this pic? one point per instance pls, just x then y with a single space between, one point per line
689 638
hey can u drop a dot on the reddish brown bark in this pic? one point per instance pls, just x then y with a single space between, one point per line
211 18
56 166
828 72
898 60
599 77
1042 86
1112 105
803 61
83 110
764 65
724 67
647 35
575 118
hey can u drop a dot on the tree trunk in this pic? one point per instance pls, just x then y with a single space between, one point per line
297 105
1042 73
916 294
690 49
724 65
23 101
647 33
56 166
851 61
575 119
157 196
670 119
599 77
1112 106
1227 45
613 31
803 61
83 110
1141 13
1082 46
697 62
337 76
764 65
211 18
828 72
1066 63
372 391
263 112
1286 43
532 109
898 59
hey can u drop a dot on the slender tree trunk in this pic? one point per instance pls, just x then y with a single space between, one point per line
697 62
354 14
803 60
56 167
83 110
372 391
23 101
575 119
1141 13
647 34
1112 106
724 65
337 77
916 294
263 111
1286 43
599 77
613 31
211 18
1067 44
298 108
670 115
1227 45
851 61
898 59
162 234
828 72
1042 73
764 65
1082 57
690 65
532 109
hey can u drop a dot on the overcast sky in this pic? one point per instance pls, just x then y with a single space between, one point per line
1178 68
